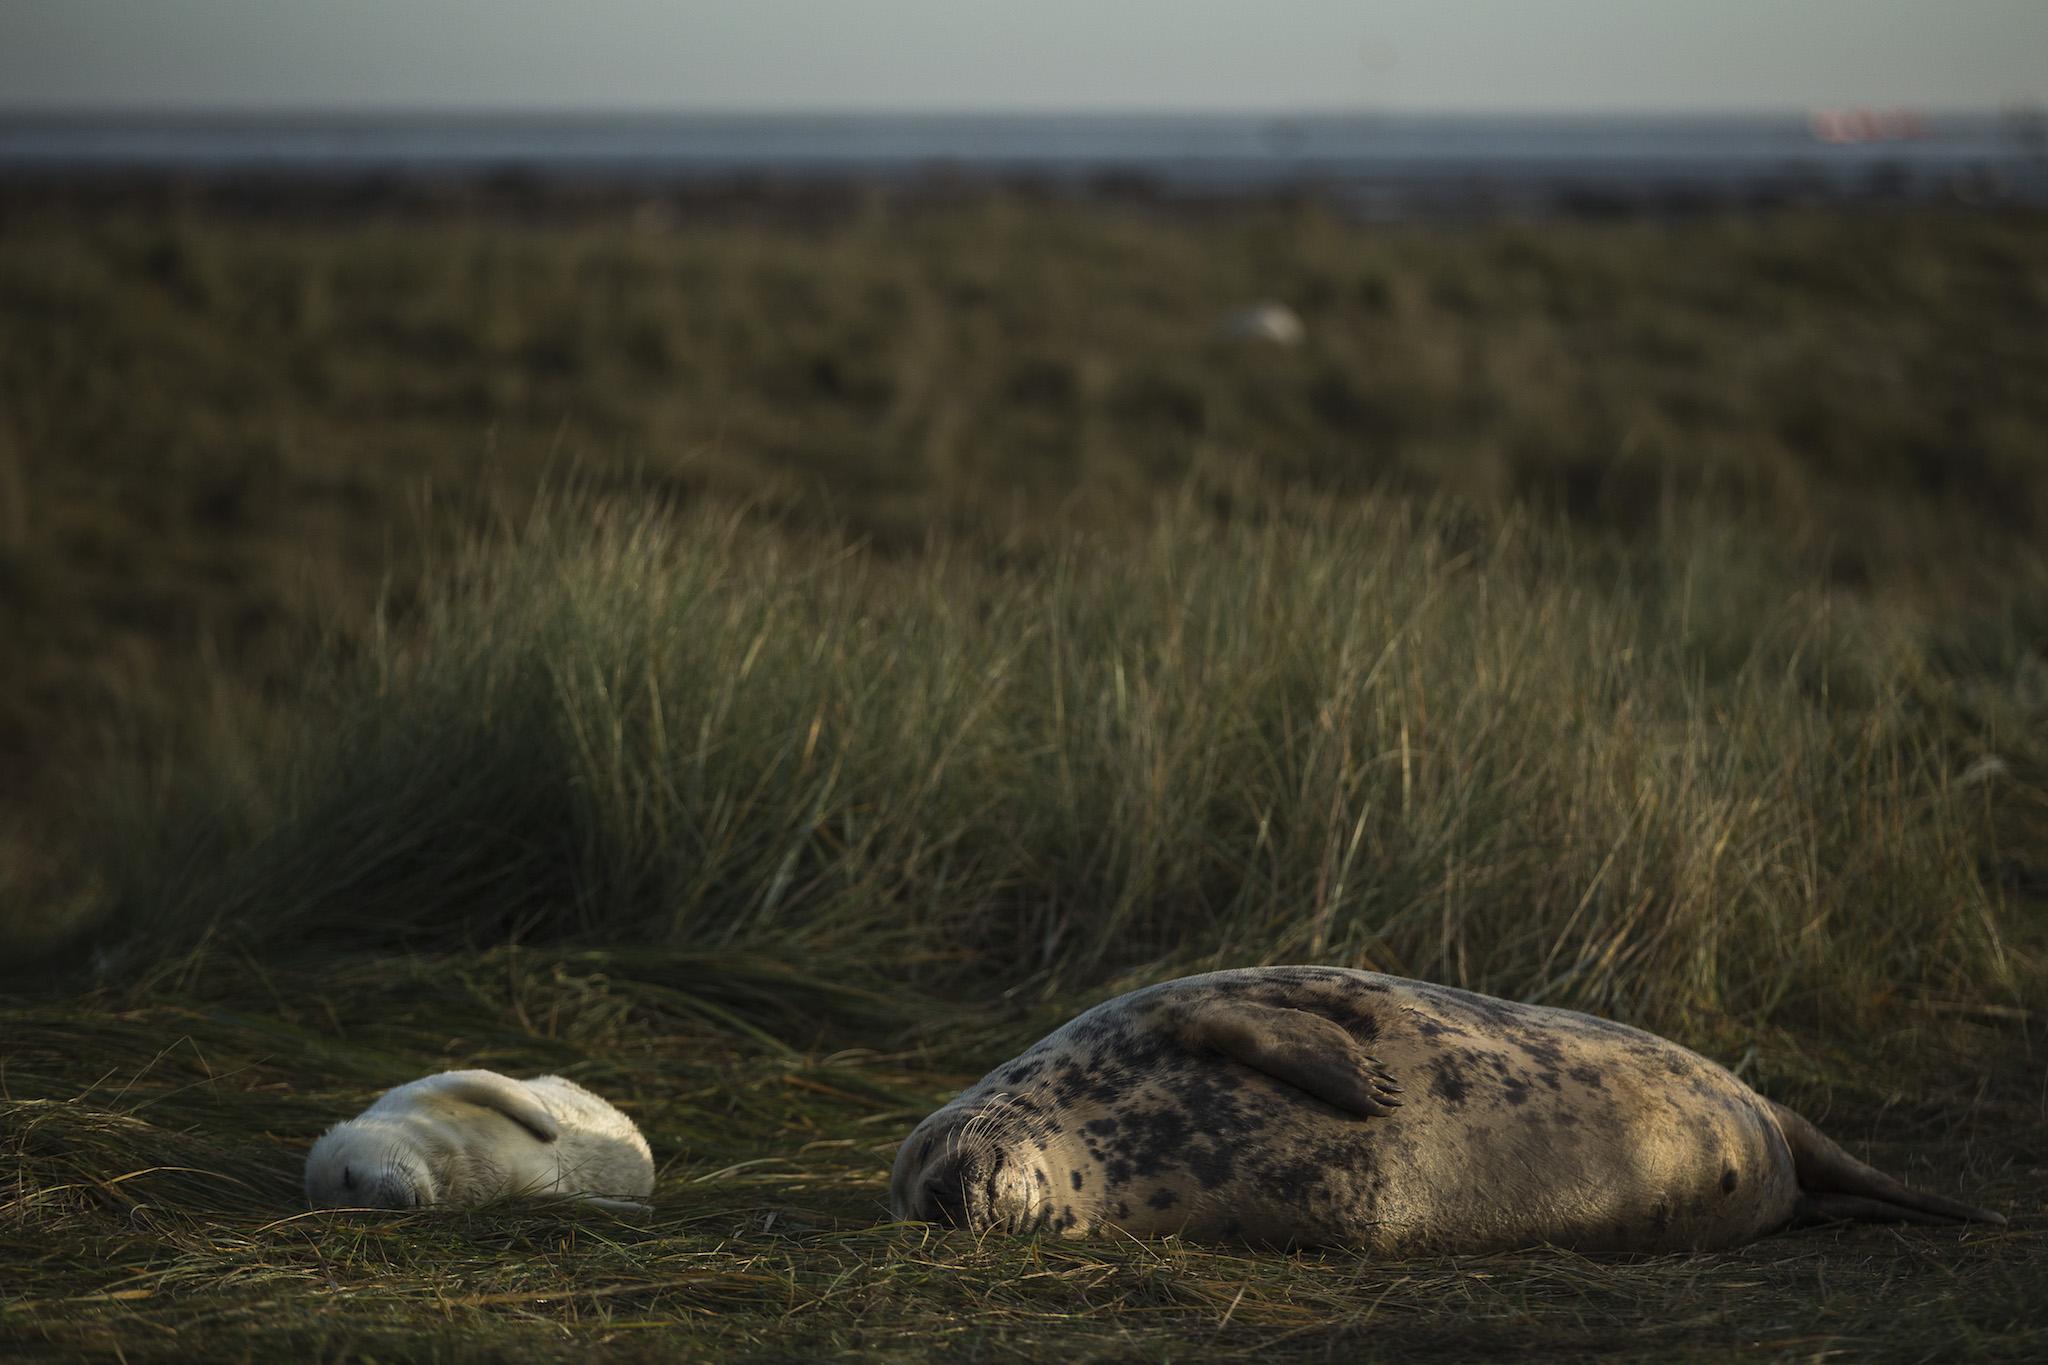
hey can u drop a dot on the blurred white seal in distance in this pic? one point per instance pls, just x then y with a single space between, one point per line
1275 323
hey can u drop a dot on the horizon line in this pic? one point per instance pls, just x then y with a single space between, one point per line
596 113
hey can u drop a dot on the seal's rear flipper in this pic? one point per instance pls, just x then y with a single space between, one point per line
489 1090
1857 1208
1834 1186
1305 1050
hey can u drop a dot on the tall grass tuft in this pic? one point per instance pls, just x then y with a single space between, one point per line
1481 751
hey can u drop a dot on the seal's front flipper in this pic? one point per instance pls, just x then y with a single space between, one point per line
1305 1050
489 1090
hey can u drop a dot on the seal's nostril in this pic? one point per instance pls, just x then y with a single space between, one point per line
945 1195
948 1205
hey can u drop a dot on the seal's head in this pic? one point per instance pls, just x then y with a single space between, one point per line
368 1163
978 1164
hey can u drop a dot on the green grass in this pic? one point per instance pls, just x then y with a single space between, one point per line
772 675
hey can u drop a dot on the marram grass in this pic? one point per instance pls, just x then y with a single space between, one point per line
1485 752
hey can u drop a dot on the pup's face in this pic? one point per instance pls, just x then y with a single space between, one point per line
363 1164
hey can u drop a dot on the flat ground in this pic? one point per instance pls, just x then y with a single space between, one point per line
153 1213
771 667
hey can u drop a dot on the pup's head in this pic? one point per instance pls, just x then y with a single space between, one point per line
368 1164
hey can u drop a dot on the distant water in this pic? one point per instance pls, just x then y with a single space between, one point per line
1975 156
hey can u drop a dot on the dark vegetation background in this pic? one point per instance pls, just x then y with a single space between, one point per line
772 659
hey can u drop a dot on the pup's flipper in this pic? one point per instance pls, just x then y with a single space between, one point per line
632 1207
489 1090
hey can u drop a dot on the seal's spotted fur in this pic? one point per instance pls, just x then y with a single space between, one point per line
1325 1105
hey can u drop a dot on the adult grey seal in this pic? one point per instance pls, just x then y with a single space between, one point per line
1322 1105
467 1137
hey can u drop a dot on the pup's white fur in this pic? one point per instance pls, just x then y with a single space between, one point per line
467 1137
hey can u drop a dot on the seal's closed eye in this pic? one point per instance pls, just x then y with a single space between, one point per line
1305 1050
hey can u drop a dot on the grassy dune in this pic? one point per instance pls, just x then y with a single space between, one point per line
770 676
1374 733
219 434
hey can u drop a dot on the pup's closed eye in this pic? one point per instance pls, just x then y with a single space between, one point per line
348 1178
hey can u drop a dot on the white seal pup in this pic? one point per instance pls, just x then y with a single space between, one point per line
1322 1105
467 1137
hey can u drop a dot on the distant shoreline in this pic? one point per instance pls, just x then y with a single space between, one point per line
1369 166
519 193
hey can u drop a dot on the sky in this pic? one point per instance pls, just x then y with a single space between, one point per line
1021 55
